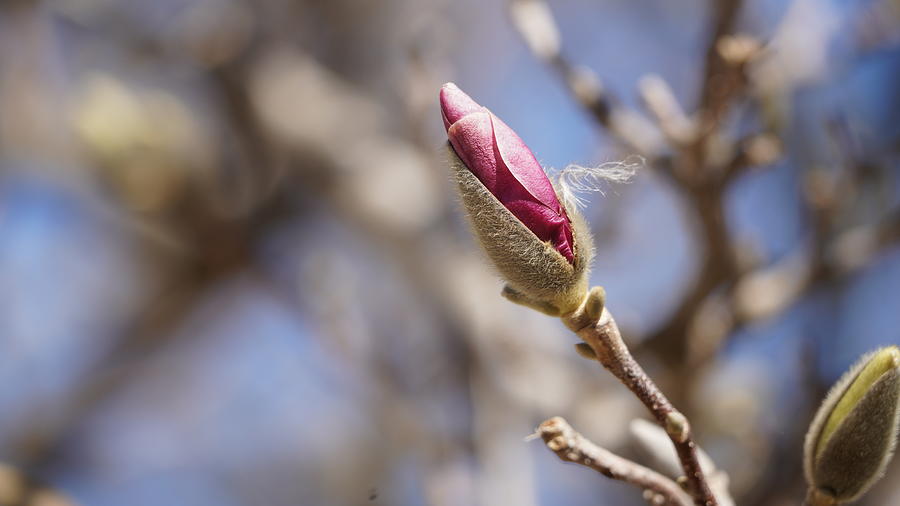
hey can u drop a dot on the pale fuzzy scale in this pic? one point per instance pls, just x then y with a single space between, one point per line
532 268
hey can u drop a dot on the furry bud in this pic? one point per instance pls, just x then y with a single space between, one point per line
539 245
852 437
506 167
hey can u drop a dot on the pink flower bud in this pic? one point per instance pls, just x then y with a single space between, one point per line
507 168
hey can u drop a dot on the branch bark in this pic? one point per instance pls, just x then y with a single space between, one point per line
534 22
594 324
570 446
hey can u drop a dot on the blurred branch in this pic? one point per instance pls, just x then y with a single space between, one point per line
209 246
693 170
704 159
18 489
689 147
825 258
534 22
397 237
570 446
660 100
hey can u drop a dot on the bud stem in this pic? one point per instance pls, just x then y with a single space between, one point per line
603 336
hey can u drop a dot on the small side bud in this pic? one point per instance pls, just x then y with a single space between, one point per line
852 437
677 426
595 302
653 498
512 295
585 350
535 23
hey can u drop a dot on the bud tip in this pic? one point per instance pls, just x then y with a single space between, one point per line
455 104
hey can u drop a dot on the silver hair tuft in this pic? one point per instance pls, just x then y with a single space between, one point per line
576 179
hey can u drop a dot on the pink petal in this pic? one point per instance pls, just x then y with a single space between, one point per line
455 104
546 224
515 157
506 167
473 140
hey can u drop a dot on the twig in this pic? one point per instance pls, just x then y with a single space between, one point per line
660 101
594 324
652 440
570 446
17 488
755 150
717 89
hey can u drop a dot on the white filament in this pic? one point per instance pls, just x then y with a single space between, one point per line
576 179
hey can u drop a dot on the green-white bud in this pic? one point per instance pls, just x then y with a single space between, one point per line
585 350
852 437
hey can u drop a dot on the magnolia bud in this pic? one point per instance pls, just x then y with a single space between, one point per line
540 246
852 437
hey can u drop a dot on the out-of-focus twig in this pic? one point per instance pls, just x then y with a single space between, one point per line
18 489
720 79
755 150
535 23
653 443
570 446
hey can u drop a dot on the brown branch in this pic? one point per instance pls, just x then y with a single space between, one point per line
688 169
594 324
703 186
755 150
570 446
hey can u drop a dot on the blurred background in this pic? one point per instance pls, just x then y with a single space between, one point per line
235 272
